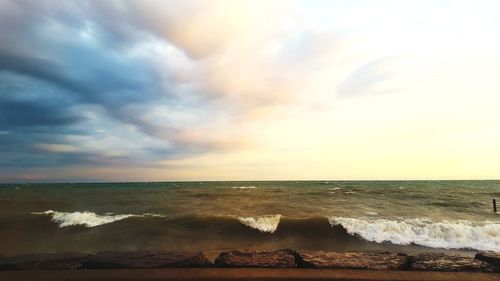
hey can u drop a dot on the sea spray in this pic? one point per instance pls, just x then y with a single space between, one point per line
267 224
436 234
86 218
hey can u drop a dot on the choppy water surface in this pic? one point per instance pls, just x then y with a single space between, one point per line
403 216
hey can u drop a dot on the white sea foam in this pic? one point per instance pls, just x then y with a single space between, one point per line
87 219
244 187
436 234
262 223
370 213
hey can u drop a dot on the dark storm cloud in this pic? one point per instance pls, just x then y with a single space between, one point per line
82 84
110 83
38 68
51 74
33 114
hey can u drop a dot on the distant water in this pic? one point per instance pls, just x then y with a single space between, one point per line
406 216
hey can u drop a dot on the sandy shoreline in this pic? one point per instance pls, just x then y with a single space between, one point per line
242 274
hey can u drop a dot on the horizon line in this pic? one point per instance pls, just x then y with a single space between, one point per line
281 180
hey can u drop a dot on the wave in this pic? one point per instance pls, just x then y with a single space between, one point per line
436 234
244 187
87 219
263 223
460 234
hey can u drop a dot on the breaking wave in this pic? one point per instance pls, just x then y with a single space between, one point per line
459 234
263 223
244 187
436 234
87 219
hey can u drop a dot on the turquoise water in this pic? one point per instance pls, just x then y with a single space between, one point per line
212 216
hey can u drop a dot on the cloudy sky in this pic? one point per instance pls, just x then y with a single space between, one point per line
229 90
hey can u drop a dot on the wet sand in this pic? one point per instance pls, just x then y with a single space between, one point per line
248 274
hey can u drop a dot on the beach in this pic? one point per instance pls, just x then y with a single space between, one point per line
253 274
263 230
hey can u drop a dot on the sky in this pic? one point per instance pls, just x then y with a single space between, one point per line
149 90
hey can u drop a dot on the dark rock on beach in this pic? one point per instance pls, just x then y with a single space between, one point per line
264 259
489 257
44 261
444 262
339 260
147 259
284 258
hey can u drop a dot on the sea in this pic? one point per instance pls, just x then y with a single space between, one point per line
396 216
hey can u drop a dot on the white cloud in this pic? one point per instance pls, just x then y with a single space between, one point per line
233 82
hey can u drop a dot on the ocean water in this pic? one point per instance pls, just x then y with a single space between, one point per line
402 216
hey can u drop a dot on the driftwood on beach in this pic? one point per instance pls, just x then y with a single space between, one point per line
284 258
